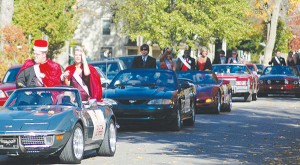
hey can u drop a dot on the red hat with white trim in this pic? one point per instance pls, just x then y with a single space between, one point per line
40 45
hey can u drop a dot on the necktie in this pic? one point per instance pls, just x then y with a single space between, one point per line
144 61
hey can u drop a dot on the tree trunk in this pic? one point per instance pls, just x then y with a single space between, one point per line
272 34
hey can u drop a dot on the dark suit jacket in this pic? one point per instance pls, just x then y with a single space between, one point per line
275 63
191 61
138 62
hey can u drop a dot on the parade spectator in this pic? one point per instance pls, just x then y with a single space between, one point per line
277 60
185 62
290 61
83 76
166 61
220 58
203 62
234 58
144 60
39 71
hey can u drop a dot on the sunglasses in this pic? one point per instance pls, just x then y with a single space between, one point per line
144 49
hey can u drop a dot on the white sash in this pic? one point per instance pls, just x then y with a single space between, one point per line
276 58
185 63
38 73
80 82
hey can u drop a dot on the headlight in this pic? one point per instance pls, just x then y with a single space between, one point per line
296 82
160 102
2 95
269 81
286 81
49 140
261 81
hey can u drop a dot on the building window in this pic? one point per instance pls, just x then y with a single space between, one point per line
106 27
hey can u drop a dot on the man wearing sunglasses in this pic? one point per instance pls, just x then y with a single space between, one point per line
144 60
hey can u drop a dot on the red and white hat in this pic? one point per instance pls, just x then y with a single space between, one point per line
40 45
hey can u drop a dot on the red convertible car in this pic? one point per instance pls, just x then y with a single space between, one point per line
8 83
212 95
242 80
280 80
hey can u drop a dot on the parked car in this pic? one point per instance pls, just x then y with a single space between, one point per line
127 60
152 97
243 82
8 83
104 80
280 80
109 67
213 95
53 121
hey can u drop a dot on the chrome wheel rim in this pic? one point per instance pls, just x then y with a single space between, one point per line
78 143
112 137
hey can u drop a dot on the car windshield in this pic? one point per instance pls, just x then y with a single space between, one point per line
43 96
145 77
251 67
198 77
234 69
283 70
10 75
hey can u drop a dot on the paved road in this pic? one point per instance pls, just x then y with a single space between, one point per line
262 132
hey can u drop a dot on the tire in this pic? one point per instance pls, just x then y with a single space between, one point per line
176 124
229 105
254 96
247 97
108 146
72 153
191 121
219 105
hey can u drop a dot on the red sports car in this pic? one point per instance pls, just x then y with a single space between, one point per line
280 80
8 83
213 95
242 80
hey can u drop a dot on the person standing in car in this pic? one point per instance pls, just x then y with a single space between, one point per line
39 71
277 60
185 62
144 60
166 61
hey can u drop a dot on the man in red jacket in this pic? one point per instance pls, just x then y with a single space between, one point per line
39 71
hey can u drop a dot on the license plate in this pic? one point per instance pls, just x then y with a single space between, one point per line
9 143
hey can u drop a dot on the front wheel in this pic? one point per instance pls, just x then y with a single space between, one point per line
176 124
73 151
108 146
247 97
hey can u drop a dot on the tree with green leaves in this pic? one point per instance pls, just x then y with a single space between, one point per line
55 19
194 22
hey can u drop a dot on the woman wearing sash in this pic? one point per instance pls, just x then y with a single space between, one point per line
83 76
166 61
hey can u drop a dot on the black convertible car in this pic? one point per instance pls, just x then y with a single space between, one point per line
53 121
280 80
152 97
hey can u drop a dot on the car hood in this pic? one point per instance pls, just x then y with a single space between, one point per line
139 93
277 77
8 86
204 90
21 119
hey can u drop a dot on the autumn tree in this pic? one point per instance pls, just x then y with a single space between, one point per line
15 47
52 18
270 11
173 22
